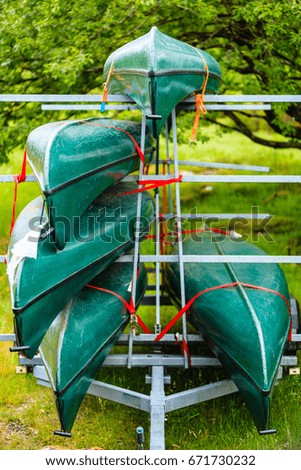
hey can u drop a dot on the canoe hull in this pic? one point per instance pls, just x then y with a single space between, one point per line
158 72
42 285
81 158
83 334
246 327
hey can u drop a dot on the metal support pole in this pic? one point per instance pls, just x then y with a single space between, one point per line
157 409
179 229
137 245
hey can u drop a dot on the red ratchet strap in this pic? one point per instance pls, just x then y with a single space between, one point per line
210 289
129 306
20 178
152 184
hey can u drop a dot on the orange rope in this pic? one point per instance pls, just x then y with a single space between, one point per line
199 100
106 88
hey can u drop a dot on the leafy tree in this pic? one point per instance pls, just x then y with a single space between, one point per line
60 46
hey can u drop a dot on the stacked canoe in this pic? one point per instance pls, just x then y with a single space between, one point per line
158 72
71 237
242 311
65 287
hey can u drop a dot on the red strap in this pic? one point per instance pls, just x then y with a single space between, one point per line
143 325
137 147
152 184
20 178
290 331
184 348
162 238
210 289
129 306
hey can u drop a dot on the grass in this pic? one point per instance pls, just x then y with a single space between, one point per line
27 412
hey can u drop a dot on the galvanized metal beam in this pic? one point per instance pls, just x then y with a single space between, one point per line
224 216
229 107
157 409
249 99
179 229
193 396
224 178
97 98
166 360
7 337
195 178
214 259
127 107
56 98
11 179
130 398
227 166
241 179
87 107
149 360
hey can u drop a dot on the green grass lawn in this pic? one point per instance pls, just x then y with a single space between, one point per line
27 412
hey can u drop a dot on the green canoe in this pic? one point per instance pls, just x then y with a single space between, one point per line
158 72
43 280
246 327
83 334
82 157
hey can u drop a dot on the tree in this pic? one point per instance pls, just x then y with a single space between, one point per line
61 46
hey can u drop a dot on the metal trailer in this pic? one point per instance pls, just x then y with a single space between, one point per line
158 357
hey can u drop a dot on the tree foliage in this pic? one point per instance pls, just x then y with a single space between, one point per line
61 46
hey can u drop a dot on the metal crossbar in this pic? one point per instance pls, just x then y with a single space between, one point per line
265 259
224 178
61 98
128 107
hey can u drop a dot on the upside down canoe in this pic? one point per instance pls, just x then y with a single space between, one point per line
243 314
83 334
43 280
82 157
158 71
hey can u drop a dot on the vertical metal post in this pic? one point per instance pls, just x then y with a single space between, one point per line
157 409
137 239
158 281
168 169
179 228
